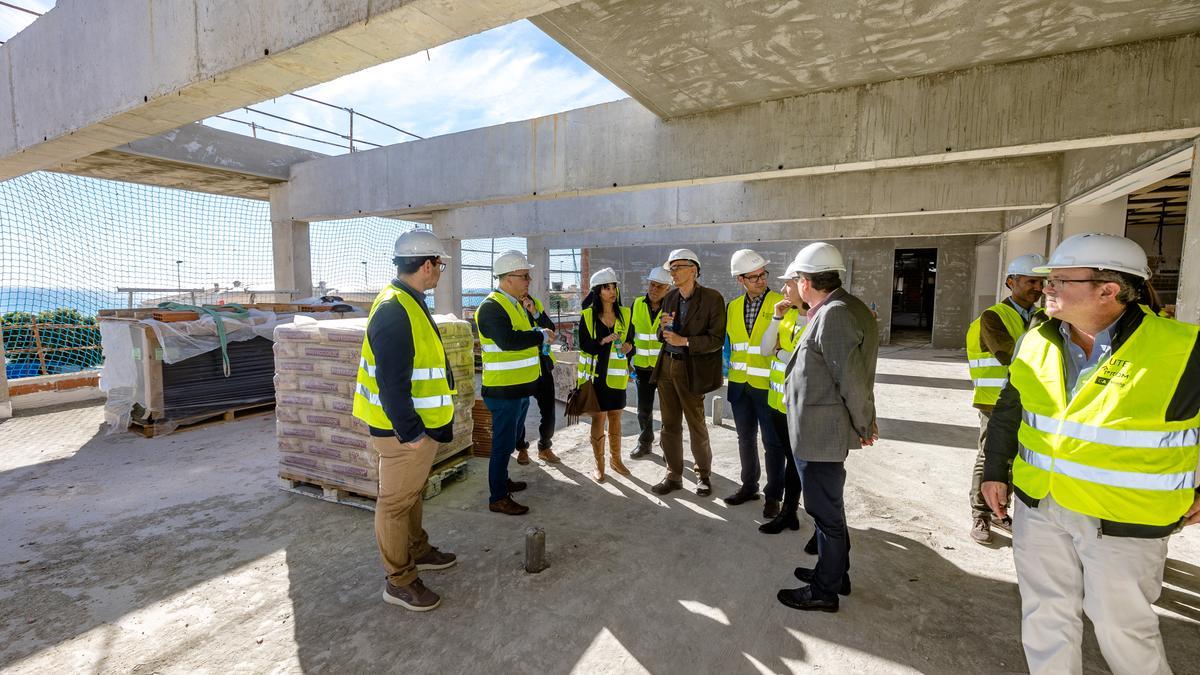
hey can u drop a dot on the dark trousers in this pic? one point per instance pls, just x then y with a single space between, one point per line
506 415
645 407
752 414
785 465
824 484
545 401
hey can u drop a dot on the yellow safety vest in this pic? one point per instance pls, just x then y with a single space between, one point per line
617 375
645 335
791 327
987 373
431 392
1108 451
509 368
747 362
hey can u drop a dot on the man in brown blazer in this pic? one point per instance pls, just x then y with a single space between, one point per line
692 329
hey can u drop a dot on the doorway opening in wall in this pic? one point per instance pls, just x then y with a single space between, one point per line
1154 218
914 279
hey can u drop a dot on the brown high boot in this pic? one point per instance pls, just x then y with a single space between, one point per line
598 451
614 445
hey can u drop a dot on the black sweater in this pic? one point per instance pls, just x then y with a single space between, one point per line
390 335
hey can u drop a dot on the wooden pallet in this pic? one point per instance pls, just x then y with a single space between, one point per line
152 428
451 469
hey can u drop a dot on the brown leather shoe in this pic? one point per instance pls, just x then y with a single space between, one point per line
436 560
522 456
508 507
516 485
547 455
413 597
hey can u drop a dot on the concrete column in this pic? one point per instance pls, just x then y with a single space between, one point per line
987 268
539 257
289 248
447 297
1106 217
5 404
1054 233
1187 305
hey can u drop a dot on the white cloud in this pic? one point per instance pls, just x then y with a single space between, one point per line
13 21
510 73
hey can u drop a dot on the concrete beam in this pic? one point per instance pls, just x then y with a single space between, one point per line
89 76
196 157
983 113
1020 183
861 228
447 297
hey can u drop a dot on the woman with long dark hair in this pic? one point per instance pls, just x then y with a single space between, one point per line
604 342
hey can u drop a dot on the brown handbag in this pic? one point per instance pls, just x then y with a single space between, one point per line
581 401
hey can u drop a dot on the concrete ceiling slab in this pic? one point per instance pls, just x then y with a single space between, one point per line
679 57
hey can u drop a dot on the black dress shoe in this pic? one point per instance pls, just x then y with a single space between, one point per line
641 451
516 485
811 547
804 600
781 522
703 487
741 497
667 486
805 574
771 508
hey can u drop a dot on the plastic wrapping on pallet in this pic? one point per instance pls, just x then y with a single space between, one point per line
316 367
160 374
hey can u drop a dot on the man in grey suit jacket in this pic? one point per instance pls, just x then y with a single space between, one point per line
829 393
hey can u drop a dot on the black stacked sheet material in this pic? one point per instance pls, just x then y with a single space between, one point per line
197 386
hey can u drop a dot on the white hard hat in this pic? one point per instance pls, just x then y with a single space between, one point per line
419 244
659 275
603 277
818 257
681 254
1100 251
1024 265
745 261
510 261
791 272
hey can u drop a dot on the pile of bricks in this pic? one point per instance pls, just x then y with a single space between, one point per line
320 440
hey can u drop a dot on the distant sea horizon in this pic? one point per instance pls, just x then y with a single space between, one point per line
34 299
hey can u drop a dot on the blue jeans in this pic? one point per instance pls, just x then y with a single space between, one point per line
752 414
507 415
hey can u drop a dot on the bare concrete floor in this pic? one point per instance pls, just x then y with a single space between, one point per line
175 554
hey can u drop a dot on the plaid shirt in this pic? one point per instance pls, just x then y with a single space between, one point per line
750 311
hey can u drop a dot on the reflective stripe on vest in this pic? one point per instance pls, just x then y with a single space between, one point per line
746 361
791 327
503 368
645 335
988 375
1108 451
1185 480
616 375
430 390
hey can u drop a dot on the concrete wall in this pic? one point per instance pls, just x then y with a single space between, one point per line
871 276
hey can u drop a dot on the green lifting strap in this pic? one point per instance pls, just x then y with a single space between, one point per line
237 312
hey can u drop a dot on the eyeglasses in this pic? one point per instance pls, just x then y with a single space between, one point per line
1054 283
441 267
676 268
755 277
523 277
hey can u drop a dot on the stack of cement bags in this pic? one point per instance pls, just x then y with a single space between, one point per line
320 440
